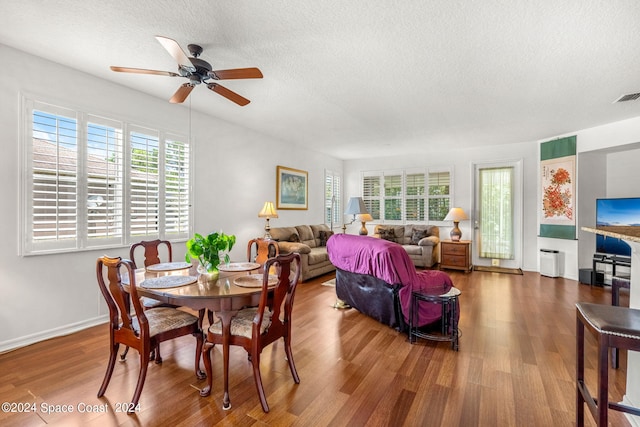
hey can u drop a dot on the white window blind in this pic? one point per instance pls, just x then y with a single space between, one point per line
177 181
371 195
88 186
415 198
392 197
104 171
54 179
439 195
144 197
407 196
333 198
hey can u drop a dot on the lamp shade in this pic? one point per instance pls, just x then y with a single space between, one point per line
268 211
356 206
456 215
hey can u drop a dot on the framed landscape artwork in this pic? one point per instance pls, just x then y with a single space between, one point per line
292 188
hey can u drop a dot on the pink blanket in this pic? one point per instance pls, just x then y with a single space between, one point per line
390 262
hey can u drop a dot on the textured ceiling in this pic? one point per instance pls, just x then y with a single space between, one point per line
365 78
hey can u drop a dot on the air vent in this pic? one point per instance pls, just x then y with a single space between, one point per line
628 97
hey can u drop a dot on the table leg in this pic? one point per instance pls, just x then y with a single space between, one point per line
225 318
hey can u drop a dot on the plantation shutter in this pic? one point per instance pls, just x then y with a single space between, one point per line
105 168
144 191
392 197
333 198
415 197
371 194
53 205
177 184
439 184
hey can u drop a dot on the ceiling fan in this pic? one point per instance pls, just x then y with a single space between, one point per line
197 71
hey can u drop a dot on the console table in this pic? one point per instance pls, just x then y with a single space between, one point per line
613 260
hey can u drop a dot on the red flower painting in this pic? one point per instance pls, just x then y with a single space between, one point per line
556 200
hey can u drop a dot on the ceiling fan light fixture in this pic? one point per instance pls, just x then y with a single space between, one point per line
197 71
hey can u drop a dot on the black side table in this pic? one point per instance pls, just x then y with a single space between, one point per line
449 303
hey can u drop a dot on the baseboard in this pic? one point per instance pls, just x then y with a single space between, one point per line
9 345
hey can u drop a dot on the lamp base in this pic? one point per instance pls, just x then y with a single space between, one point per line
363 230
456 233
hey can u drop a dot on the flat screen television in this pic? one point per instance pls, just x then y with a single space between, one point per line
616 215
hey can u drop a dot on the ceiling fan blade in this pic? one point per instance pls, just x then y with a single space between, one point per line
229 94
143 71
182 93
236 73
176 51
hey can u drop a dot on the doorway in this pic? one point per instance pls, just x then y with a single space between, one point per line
497 214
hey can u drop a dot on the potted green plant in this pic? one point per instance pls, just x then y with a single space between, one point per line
207 250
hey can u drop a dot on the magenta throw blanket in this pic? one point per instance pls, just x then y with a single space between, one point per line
388 261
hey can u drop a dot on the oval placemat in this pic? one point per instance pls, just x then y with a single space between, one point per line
163 282
168 266
254 281
239 266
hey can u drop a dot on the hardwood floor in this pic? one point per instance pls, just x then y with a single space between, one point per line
515 367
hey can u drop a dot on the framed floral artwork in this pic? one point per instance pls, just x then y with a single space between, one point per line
558 188
292 188
558 191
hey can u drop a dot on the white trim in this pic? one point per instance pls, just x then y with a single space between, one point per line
71 328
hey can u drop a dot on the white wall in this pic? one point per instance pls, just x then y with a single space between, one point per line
608 156
234 174
462 162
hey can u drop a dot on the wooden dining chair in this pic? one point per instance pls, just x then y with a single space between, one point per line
151 257
264 249
145 329
256 327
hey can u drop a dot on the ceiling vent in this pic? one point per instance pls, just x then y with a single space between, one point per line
628 97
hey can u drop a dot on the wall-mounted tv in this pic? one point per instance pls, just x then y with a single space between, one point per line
617 216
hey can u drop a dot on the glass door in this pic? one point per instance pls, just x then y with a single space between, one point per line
497 214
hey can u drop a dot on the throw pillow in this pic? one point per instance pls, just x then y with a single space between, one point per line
417 236
294 238
387 234
324 236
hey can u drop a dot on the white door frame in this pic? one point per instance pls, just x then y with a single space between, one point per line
518 184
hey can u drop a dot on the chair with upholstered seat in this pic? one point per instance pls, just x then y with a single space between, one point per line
256 327
151 257
146 328
264 249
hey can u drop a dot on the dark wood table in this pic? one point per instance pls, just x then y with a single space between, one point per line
220 295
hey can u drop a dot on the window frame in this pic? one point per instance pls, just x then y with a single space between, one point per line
367 177
333 204
83 241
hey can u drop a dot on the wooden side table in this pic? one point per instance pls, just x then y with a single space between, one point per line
455 255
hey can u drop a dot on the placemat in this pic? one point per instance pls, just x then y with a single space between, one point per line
254 281
238 266
168 266
163 282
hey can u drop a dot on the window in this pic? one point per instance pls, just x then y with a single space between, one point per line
332 198
439 195
410 196
133 188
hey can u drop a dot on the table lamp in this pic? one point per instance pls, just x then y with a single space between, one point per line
364 218
268 211
456 215
354 207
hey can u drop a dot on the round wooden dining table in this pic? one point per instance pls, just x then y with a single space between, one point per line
222 295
